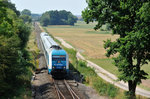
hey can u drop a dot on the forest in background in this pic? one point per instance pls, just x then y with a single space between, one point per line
55 17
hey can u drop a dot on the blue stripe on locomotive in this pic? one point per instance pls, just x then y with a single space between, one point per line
59 52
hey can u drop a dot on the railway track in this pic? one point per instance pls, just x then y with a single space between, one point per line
63 90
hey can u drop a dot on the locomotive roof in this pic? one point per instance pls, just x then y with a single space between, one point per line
49 42
59 52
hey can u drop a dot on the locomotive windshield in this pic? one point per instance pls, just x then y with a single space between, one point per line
56 58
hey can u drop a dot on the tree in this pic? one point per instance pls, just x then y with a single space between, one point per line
58 18
71 19
26 12
131 20
26 16
11 6
44 20
14 58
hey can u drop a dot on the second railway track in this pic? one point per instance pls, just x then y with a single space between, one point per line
64 91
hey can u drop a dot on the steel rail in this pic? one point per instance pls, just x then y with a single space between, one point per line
73 94
59 93
69 89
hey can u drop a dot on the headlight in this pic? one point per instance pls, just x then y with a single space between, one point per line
64 67
53 67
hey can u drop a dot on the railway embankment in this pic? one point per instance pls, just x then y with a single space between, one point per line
107 76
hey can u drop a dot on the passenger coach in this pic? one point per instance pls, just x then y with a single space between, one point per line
56 57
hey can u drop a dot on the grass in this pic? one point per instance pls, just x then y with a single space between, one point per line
98 32
82 36
79 24
33 49
107 65
146 68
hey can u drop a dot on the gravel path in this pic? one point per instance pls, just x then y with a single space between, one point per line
111 78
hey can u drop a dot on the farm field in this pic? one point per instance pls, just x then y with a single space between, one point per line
83 38
89 43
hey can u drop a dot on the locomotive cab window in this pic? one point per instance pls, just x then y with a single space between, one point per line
56 58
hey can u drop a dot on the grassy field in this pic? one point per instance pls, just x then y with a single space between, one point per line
89 43
84 38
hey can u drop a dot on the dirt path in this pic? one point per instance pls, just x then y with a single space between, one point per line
105 74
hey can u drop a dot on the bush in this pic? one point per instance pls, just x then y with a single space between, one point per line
102 29
108 27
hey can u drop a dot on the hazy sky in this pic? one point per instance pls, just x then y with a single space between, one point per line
40 6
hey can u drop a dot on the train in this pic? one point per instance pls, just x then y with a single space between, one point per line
57 59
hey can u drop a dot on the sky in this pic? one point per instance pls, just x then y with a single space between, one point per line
41 6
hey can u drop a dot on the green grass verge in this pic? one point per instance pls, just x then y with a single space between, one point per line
146 68
98 32
107 65
79 24
83 25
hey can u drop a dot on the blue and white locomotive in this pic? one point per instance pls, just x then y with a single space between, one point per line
56 58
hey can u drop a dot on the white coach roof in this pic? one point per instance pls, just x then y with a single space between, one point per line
47 40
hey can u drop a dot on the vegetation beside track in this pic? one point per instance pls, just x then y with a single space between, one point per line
33 49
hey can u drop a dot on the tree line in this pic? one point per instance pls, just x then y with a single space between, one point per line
130 19
14 58
57 18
